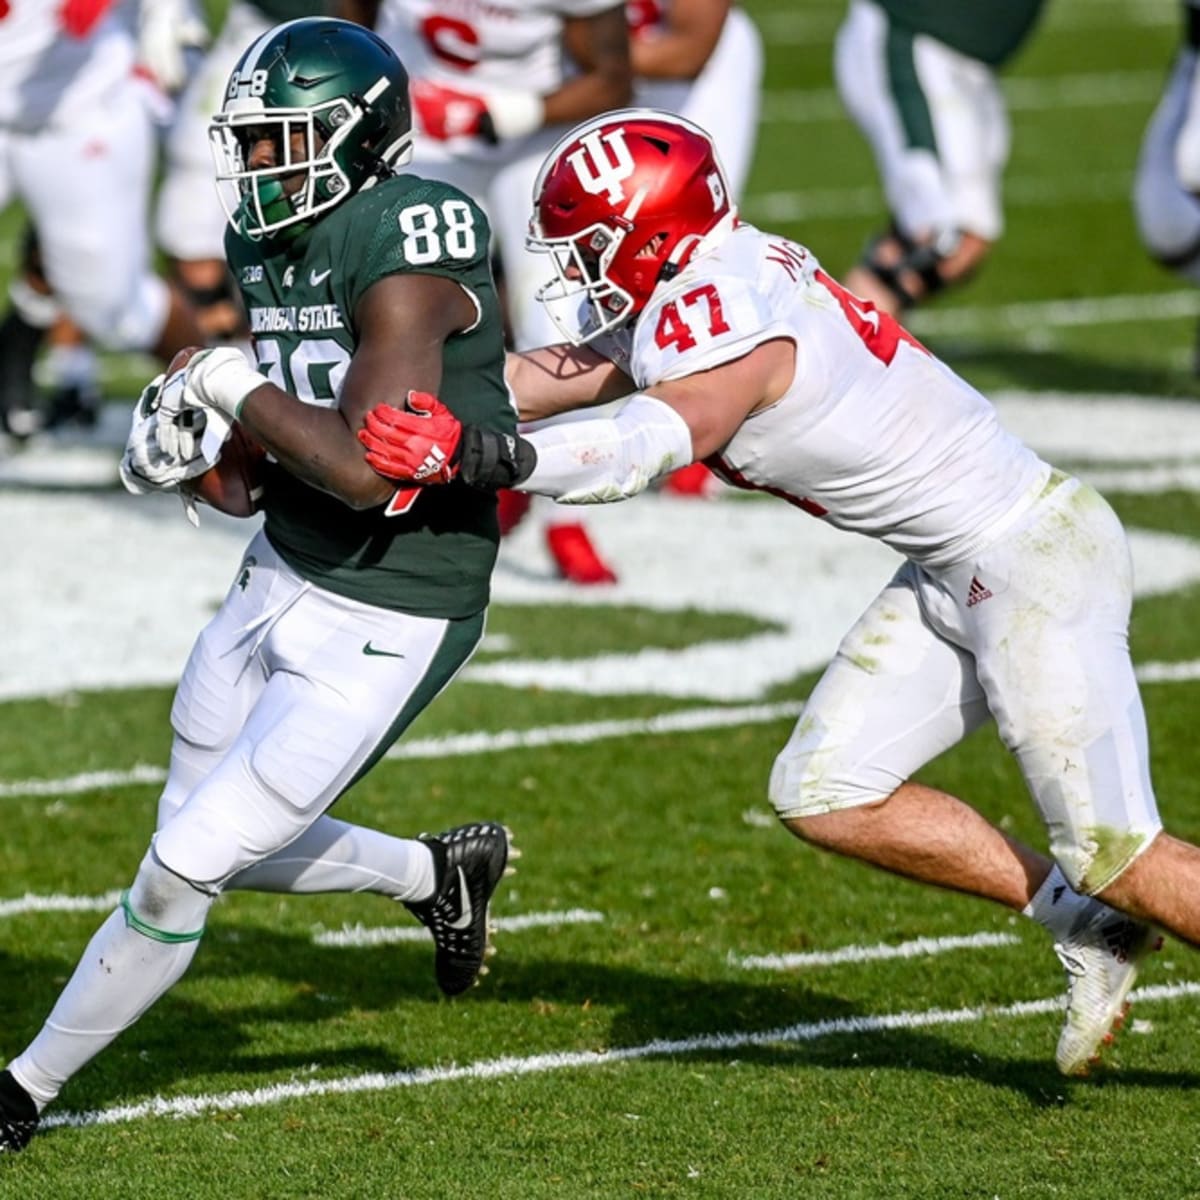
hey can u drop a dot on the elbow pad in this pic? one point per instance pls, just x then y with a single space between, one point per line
608 458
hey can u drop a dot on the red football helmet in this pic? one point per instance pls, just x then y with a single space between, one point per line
621 203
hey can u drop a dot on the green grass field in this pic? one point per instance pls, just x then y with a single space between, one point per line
635 1036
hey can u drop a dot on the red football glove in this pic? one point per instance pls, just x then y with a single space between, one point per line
418 443
444 112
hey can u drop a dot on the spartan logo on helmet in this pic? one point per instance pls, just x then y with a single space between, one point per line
603 163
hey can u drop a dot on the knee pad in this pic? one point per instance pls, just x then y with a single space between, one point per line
163 905
807 783
198 845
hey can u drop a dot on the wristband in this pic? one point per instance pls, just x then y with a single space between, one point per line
487 459
223 378
514 114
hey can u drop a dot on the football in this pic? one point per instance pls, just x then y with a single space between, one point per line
234 483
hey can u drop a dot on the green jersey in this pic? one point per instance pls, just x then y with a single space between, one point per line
436 558
989 30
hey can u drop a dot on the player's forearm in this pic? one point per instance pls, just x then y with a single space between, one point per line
586 95
314 444
558 379
671 54
595 461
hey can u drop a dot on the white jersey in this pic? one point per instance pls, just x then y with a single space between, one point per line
481 45
874 434
59 60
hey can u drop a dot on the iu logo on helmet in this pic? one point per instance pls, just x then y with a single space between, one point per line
602 163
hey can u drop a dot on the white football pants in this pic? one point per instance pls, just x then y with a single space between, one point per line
1032 631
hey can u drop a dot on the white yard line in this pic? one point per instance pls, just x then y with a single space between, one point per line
30 903
357 936
456 745
540 1064
917 948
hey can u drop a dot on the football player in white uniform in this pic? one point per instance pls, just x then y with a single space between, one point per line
919 80
77 148
702 59
1166 192
1013 601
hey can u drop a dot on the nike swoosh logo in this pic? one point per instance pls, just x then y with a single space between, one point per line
309 81
468 913
315 280
371 650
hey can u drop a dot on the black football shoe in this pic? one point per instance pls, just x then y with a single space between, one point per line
469 862
18 1115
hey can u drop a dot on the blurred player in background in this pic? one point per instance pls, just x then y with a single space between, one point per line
702 59
919 79
1166 193
77 149
494 87
349 613
1012 603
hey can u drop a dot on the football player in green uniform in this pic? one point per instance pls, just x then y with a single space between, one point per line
918 77
354 605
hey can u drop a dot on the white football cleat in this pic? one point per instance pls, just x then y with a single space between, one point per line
1101 956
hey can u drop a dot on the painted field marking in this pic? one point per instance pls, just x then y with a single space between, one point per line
917 948
31 903
454 745
355 936
540 1064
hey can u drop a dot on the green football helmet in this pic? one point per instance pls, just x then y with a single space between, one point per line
332 98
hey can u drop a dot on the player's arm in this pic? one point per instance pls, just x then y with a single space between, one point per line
558 379
403 322
589 461
361 12
679 47
600 45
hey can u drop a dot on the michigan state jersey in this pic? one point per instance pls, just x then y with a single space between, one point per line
436 557
991 31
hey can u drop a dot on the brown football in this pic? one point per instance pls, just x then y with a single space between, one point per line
234 484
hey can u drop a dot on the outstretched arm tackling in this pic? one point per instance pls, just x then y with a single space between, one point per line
403 322
588 461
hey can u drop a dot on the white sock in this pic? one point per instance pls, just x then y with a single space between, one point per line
1056 905
335 856
121 973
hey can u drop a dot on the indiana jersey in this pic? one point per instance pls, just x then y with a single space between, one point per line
434 558
874 434
476 45
59 59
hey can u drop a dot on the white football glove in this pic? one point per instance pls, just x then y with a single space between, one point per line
167 30
166 445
